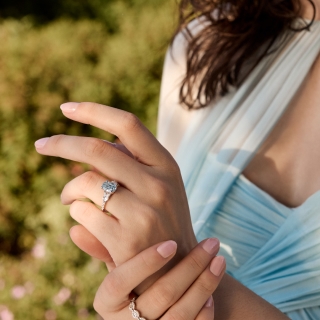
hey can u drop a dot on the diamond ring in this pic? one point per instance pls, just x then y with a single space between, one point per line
109 188
135 313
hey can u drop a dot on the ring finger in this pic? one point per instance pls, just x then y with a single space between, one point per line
88 185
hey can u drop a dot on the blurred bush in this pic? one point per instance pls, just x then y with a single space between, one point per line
104 11
115 62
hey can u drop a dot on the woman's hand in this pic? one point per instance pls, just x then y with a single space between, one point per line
150 204
183 293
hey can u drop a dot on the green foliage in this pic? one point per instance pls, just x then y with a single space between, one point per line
40 12
40 68
54 281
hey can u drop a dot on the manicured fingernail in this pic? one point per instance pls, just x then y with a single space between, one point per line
217 265
211 245
41 143
167 248
209 302
112 143
69 106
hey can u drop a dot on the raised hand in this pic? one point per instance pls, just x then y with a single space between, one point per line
183 293
150 204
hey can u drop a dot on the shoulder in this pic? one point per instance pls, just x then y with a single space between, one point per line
180 43
173 118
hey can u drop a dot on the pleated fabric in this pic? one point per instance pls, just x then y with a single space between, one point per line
271 249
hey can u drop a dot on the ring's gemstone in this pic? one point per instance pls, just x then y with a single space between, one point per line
109 186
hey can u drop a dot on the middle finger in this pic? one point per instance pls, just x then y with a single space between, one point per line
108 160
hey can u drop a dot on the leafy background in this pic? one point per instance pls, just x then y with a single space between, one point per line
107 51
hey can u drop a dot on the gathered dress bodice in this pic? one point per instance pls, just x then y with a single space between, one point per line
260 238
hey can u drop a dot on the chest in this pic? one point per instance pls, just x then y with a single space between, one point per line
287 165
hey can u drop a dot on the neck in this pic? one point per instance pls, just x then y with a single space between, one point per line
307 9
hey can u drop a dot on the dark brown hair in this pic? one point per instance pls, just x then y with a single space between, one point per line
234 32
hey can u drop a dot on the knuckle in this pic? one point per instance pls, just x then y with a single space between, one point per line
149 220
133 247
88 180
113 285
162 295
173 167
94 148
204 286
73 209
80 211
196 264
160 191
176 169
56 140
63 194
131 121
146 262
86 211
98 303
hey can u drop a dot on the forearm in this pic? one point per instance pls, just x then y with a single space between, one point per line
233 301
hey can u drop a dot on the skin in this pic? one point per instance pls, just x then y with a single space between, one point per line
139 207
285 167
151 194
307 9
184 293
287 164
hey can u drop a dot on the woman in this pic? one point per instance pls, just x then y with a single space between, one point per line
248 158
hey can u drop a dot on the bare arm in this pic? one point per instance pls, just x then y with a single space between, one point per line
235 301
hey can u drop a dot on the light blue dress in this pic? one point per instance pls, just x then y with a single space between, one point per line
273 250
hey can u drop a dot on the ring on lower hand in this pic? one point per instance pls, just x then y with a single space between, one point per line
135 313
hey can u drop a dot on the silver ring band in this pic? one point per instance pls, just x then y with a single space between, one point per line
109 188
135 313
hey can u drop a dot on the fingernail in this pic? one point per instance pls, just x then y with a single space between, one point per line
211 245
209 302
112 143
69 106
41 143
166 249
217 265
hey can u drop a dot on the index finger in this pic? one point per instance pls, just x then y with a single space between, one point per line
125 125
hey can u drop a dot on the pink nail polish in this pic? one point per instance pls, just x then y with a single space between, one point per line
209 302
211 245
69 107
167 248
217 265
41 143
